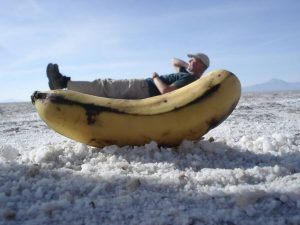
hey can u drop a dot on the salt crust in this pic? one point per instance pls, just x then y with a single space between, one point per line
246 171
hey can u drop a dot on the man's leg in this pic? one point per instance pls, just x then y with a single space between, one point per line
130 89
122 89
86 87
109 88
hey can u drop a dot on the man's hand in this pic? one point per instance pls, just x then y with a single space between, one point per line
161 86
154 75
177 63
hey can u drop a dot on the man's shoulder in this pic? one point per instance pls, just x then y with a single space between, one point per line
179 75
185 75
181 79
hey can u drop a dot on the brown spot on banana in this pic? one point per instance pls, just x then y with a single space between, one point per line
108 142
101 142
145 138
233 106
166 133
92 140
214 122
91 116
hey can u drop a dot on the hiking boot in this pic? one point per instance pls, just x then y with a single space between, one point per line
56 79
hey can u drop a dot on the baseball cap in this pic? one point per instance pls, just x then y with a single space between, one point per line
204 58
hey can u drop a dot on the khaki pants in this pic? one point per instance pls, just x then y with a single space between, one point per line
109 88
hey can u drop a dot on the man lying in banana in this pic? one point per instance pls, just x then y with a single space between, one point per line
134 88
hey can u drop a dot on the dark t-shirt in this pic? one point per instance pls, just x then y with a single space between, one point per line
180 79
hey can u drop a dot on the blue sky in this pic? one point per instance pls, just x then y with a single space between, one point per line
257 40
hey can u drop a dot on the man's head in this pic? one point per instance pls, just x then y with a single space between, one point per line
198 63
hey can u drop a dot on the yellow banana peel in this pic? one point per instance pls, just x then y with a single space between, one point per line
184 114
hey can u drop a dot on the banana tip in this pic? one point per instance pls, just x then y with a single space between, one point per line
37 95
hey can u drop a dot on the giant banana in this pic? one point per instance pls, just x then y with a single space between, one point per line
186 113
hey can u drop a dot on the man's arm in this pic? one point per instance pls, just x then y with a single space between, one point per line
161 86
178 63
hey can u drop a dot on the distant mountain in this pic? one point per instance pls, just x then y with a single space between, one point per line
273 85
